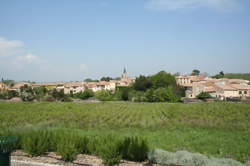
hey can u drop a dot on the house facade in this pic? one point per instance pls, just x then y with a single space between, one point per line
218 88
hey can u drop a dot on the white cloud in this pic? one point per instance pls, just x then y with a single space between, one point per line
28 58
10 47
172 5
15 57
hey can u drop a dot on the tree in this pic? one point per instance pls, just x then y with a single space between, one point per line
195 72
142 83
220 75
103 95
106 79
90 80
85 95
204 95
125 94
58 95
162 79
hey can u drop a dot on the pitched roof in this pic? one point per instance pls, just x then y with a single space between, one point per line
240 87
225 87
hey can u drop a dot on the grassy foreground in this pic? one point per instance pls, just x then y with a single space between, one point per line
217 129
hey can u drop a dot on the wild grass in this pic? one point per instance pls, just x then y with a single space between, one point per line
216 129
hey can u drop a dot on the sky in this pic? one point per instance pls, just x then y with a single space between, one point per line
71 40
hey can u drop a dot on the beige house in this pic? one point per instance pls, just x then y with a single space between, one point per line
102 85
18 85
73 87
3 86
243 90
187 81
217 88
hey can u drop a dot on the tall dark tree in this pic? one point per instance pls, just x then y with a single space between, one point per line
106 78
220 75
195 72
142 83
162 79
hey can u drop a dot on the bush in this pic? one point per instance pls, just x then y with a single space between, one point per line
36 142
161 95
137 96
69 144
110 154
58 95
188 159
67 150
85 95
27 96
204 95
104 95
67 99
134 149
8 94
49 98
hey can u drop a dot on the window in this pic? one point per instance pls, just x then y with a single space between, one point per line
240 92
245 92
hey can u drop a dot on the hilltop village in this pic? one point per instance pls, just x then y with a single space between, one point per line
220 89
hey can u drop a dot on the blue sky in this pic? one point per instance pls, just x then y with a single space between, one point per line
64 40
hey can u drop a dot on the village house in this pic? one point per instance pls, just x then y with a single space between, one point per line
17 86
73 87
3 86
218 88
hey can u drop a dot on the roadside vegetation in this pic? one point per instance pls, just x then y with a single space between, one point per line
216 129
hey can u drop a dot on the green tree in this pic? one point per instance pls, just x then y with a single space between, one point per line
27 93
204 95
58 95
90 80
106 79
162 79
195 72
125 94
103 95
86 94
142 83
220 75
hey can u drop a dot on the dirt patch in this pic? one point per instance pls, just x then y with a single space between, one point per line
81 160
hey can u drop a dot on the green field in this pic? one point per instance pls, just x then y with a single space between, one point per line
215 129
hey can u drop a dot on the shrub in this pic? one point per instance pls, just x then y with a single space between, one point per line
137 96
204 95
85 95
110 154
104 95
69 144
27 96
8 94
36 142
67 99
134 149
161 95
58 95
188 159
67 150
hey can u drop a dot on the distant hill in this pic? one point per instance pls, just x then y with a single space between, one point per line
245 76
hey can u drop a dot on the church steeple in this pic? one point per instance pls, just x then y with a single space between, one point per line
124 74
124 71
